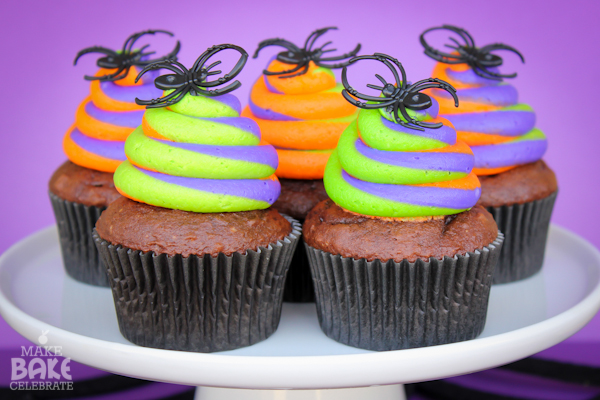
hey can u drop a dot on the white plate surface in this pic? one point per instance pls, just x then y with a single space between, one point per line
523 318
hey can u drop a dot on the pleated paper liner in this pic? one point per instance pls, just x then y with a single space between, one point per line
299 284
525 227
198 303
75 223
392 305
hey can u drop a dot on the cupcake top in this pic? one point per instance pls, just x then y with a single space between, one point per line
399 159
500 130
109 114
298 105
193 151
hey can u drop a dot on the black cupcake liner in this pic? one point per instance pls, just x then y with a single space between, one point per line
299 284
75 223
390 305
525 227
198 303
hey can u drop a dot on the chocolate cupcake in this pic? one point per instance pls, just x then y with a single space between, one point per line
518 188
400 257
196 258
299 108
83 187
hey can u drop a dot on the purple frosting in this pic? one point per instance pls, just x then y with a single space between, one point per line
501 95
445 134
270 87
454 162
505 123
508 154
267 114
265 190
243 123
127 119
255 154
114 150
230 100
128 94
418 195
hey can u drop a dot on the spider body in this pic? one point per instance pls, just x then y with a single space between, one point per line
480 59
301 57
193 80
126 58
396 99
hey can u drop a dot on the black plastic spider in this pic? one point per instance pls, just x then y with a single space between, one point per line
301 57
193 81
479 59
397 97
122 61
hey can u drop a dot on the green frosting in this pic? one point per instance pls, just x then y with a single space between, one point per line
156 156
142 187
202 107
182 128
376 135
350 198
366 169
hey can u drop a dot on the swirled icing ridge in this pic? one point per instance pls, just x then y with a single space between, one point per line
384 169
499 130
303 117
199 155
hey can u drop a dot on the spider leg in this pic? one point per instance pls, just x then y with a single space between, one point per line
218 92
485 74
302 72
213 73
276 42
95 49
312 38
464 35
435 83
213 65
237 68
381 79
369 106
411 123
501 46
115 76
384 59
343 56
155 102
374 87
160 65
128 45
288 71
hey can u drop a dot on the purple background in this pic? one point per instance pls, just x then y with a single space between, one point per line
41 88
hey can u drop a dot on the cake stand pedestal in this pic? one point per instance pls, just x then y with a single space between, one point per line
298 362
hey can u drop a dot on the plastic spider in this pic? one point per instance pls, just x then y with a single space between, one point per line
125 59
397 98
479 59
193 81
302 57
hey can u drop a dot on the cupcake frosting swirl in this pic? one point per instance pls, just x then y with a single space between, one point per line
199 155
302 116
500 130
105 119
381 168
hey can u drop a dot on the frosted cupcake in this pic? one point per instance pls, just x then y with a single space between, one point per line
401 232
518 188
83 187
194 234
300 110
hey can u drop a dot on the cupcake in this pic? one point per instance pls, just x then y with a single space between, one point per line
82 187
299 108
196 257
518 188
400 255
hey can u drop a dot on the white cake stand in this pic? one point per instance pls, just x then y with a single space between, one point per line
524 318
